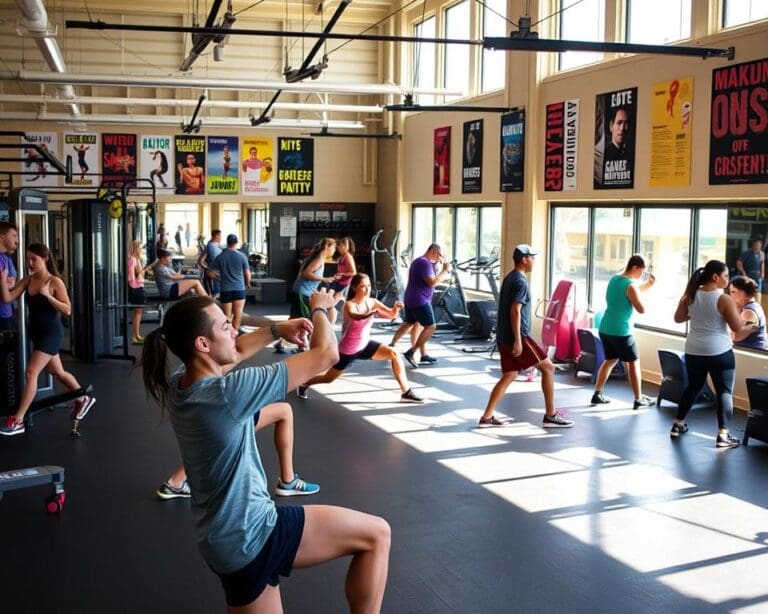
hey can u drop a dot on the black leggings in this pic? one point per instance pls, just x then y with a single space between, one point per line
722 369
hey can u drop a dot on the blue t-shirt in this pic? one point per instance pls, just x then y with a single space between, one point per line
304 286
752 261
514 289
212 251
6 264
231 265
214 424
163 280
418 292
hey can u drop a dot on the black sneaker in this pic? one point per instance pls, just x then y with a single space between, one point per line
486 423
409 357
428 360
556 421
726 440
301 392
678 429
409 397
599 399
166 491
643 401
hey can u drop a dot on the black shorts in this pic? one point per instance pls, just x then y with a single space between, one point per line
365 354
230 296
423 314
618 347
276 558
137 296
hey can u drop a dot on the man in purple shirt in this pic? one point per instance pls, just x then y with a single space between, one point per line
9 242
422 279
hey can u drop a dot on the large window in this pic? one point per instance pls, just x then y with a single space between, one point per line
456 58
737 12
494 24
424 59
645 26
463 232
588 245
581 20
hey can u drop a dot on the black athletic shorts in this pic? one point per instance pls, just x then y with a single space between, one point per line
623 348
275 560
137 296
365 354
230 296
423 314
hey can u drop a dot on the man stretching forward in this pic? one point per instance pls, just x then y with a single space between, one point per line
518 351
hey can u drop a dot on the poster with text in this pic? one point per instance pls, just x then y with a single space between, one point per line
257 163
441 181
671 109
615 126
738 139
295 167
118 159
37 172
223 156
561 135
472 158
156 162
84 149
190 164
512 152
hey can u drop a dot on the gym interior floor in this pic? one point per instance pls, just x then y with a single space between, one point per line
609 516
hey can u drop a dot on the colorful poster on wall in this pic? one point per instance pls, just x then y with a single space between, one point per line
223 157
257 161
671 110
472 158
562 144
295 167
38 173
118 159
156 162
615 124
84 149
738 140
190 164
441 181
512 152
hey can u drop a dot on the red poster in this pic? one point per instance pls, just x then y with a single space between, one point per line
441 182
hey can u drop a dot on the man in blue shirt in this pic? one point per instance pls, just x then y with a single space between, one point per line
517 349
232 270
9 242
751 264
206 260
241 534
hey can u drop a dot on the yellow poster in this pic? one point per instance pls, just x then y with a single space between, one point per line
671 117
257 160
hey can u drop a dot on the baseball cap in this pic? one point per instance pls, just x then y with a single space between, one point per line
231 239
523 250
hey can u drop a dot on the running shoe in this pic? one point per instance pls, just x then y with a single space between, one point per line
166 491
556 421
643 401
12 426
486 423
599 399
678 429
82 406
726 440
301 392
296 487
410 397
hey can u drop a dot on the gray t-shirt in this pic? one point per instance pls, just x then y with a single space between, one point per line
212 251
163 281
231 265
214 424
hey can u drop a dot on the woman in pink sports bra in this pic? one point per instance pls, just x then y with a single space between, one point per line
356 343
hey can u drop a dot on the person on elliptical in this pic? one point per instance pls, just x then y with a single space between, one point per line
423 276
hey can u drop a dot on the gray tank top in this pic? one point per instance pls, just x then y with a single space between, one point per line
708 333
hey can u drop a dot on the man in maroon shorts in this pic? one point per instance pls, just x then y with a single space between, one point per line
518 350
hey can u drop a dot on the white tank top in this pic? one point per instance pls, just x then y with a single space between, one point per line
708 333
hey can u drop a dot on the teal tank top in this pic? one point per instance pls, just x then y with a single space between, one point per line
618 312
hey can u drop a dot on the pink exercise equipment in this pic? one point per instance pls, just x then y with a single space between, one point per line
560 322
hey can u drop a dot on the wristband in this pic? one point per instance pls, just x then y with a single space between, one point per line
321 309
274 331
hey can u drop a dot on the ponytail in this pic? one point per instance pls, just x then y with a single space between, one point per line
703 276
316 249
152 363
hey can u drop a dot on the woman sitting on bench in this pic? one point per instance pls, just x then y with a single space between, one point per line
172 285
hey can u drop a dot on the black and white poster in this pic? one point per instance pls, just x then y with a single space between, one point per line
472 158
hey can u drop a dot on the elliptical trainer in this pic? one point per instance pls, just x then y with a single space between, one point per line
393 290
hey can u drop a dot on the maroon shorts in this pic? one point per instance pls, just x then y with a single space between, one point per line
532 354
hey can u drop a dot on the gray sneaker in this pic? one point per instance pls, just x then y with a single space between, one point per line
166 491
557 421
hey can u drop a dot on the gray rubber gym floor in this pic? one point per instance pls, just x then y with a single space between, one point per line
610 516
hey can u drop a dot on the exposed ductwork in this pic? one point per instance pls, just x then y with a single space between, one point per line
34 23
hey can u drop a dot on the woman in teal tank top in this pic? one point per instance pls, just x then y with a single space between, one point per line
622 298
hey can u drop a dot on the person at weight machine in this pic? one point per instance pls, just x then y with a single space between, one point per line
48 301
